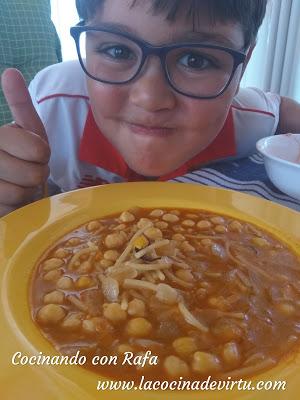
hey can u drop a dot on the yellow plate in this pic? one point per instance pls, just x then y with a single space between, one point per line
28 232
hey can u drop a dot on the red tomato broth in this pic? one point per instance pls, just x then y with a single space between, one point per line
222 298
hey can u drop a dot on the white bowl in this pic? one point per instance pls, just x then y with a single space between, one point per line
282 161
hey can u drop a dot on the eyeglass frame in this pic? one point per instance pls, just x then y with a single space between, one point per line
161 52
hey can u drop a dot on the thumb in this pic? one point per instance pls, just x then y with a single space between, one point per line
20 103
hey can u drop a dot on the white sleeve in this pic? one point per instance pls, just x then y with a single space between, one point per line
255 115
256 99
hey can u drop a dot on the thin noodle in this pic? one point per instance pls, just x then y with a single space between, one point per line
147 267
129 246
161 276
149 277
251 267
135 294
179 281
243 278
138 284
152 246
77 303
124 301
190 319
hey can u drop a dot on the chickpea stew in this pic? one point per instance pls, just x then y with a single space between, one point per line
205 293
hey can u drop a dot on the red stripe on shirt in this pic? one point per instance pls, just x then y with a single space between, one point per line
253 110
52 96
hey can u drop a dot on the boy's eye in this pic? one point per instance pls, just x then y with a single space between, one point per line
196 61
117 52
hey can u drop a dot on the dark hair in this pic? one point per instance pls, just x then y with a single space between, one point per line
249 13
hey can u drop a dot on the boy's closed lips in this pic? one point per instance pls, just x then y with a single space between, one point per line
150 130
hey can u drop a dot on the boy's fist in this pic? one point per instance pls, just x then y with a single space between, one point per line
24 150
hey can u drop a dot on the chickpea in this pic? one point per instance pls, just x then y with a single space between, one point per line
226 330
201 293
235 226
53 275
161 224
175 212
220 229
85 267
114 313
187 247
144 222
218 302
170 218
136 308
111 255
123 348
93 226
206 285
61 253
286 309
106 263
203 224
153 233
114 240
147 364
185 275
188 222
65 283
84 282
54 297
88 326
127 217
178 237
52 263
231 354
124 235
175 367
192 216
206 242
156 213
184 346
177 228
75 241
138 327
119 227
84 257
217 220
98 256
205 363
72 322
51 314
260 242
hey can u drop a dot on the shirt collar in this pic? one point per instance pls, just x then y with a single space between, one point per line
95 149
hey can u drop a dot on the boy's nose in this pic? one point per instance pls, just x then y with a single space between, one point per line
151 90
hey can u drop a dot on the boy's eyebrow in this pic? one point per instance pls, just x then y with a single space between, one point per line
204 36
191 36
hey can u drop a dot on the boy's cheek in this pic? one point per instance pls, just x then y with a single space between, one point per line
106 100
206 115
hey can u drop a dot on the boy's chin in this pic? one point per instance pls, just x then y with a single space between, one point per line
151 171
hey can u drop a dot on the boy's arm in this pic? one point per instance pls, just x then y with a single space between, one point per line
289 118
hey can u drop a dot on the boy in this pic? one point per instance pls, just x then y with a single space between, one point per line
158 97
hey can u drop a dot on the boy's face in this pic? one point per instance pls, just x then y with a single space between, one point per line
155 129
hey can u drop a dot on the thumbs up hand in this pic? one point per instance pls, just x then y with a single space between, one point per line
24 149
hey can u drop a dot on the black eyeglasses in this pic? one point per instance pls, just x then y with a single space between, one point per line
195 70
